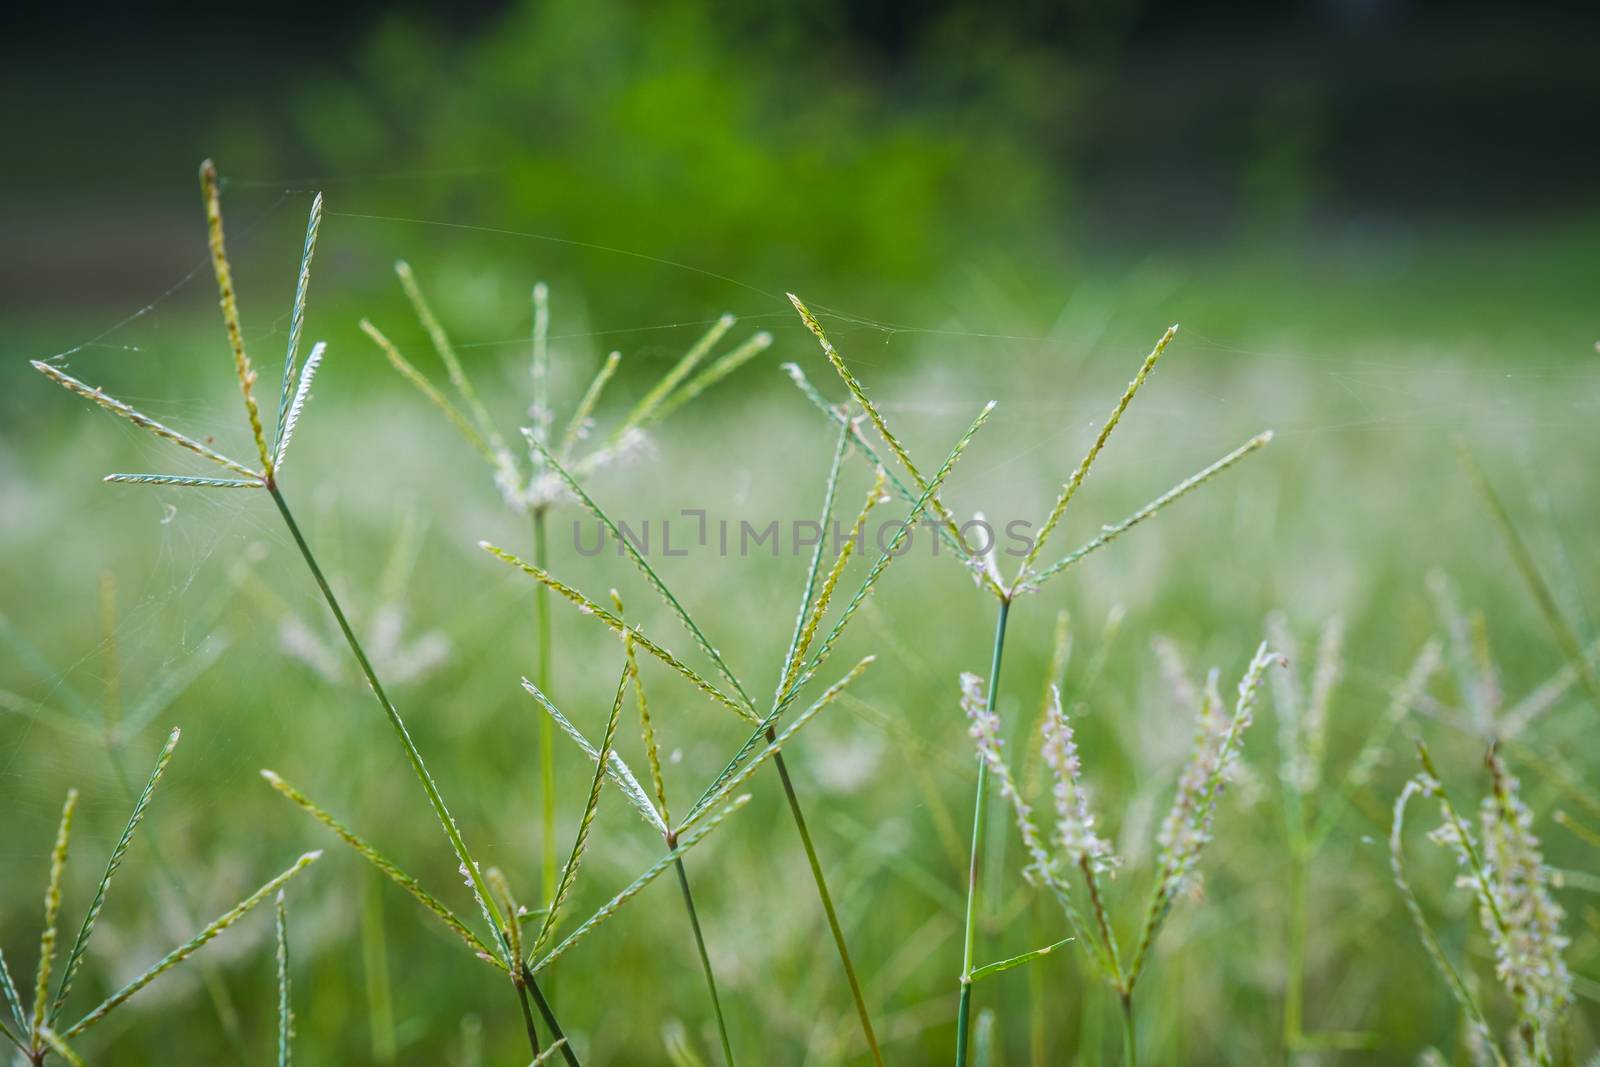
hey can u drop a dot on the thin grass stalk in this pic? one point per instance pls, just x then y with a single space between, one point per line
475 877
828 909
964 1006
547 730
705 961
1561 630
481 890
557 1038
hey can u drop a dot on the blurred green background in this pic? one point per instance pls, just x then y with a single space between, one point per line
1376 222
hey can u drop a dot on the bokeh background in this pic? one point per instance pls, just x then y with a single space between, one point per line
1376 221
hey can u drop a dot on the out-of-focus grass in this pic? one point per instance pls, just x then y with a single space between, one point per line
1365 355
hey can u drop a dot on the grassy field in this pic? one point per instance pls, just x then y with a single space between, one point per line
129 610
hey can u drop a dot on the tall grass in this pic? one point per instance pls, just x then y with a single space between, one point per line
986 573
1518 1012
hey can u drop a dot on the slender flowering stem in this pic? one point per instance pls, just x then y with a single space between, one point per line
964 1010
547 729
705 960
474 876
827 905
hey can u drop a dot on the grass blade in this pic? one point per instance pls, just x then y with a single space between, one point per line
387 867
230 311
1110 533
193 945
1070 489
141 420
685 843
650 575
615 767
285 1016
80 945
589 607
52 910
980 973
569 873
297 322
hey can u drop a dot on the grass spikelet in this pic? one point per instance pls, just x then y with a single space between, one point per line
1075 821
389 869
719 369
13 1000
80 944
645 411
619 771
1070 489
889 554
831 582
500 886
182 481
1187 828
736 775
583 415
52 909
230 311
569 873
411 374
830 489
1110 533
611 907
1425 785
447 356
649 573
285 1014
302 393
141 420
647 729
193 945
297 322
940 512
589 607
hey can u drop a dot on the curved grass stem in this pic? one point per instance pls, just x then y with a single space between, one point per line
827 907
964 1008
705 962
547 730
481 890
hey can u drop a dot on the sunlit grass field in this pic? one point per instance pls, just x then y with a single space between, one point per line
129 610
